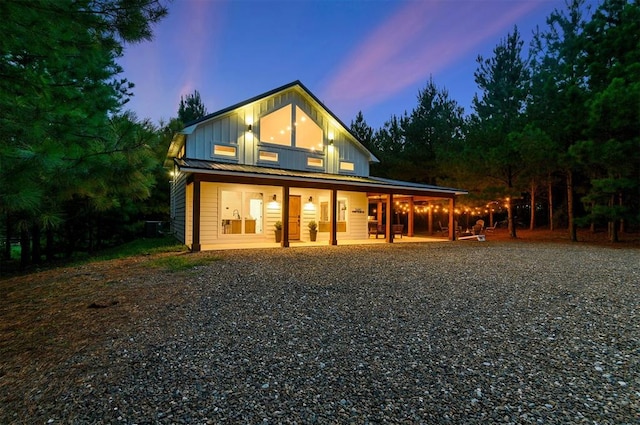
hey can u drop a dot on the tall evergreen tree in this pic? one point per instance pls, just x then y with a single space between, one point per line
504 81
560 92
191 108
389 143
430 130
611 149
360 128
58 92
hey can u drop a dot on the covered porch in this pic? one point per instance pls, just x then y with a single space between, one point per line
368 199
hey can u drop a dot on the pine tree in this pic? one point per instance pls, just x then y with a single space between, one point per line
504 81
58 92
191 108
560 92
611 149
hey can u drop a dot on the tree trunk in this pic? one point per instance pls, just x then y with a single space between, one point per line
620 202
573 237
550 190
532 221
7 244
592 225
25 248
49 249
613 224
510 220
36 249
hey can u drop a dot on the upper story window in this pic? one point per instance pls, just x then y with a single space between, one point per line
289 126
347 166
276 127
223 150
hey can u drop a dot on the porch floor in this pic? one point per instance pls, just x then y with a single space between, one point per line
294 244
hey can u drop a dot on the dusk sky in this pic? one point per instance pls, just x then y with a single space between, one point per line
371 56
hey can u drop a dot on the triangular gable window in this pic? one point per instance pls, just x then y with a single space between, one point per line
276 127
282 127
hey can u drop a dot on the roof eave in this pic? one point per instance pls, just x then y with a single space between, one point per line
389 187
174 148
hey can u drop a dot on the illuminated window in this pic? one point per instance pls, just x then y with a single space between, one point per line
346 166
290 127
276 127
342 210
315 162
308 134
224 150
268 156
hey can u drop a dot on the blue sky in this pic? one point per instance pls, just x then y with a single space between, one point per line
359 55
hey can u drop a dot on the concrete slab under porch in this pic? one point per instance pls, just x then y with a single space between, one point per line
294 244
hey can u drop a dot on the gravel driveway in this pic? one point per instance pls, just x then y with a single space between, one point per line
438 333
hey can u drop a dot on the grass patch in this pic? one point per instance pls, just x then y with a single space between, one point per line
177 263
142 246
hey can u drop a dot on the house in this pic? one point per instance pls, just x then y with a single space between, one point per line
282 157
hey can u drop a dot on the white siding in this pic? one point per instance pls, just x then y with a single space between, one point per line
357 206
209 219
188 215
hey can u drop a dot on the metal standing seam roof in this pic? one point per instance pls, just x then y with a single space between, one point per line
223 168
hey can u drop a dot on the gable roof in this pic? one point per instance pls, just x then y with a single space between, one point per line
177 141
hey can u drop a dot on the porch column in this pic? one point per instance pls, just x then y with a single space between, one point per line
195 227
452 222
379 212
410 224
333 239
284 242
430 217
388 232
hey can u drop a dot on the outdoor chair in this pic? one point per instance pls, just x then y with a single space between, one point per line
375 229
397 229
443 229
491 228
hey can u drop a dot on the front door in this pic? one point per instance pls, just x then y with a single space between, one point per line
294 217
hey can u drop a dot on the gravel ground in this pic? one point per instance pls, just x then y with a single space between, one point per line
462 332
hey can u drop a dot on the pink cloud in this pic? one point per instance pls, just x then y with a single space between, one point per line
422 38
197 41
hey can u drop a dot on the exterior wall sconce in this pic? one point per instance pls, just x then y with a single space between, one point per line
249 128
274 197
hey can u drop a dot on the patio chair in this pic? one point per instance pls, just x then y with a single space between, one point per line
443 229
491 228
375 229
397 229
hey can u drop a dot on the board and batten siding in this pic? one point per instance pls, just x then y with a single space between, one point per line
178 204
228 130
231 129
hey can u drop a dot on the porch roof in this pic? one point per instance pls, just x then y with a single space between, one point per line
230 172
